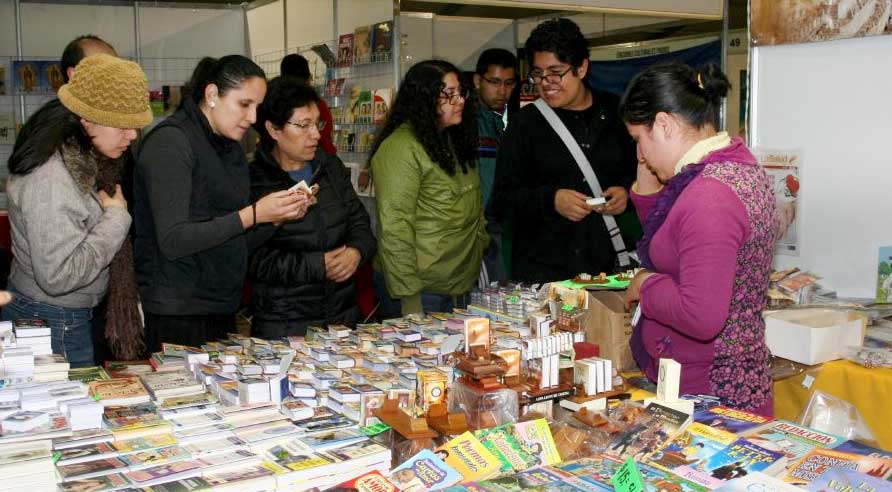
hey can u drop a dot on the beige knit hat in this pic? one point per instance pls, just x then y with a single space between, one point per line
108 91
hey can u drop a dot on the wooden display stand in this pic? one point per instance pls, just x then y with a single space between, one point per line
404 424
447 424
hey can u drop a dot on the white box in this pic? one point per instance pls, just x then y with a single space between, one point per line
812 336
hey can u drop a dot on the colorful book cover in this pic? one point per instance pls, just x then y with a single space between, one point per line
382 41
818 461
423 472
692 447
362 48
114 481
345 50
863 449
656 425
117 388
27 76
333 439
145 442
602 475
794 440
536 436
131 416
758 482
161 471
87 374
730 419
160 456
540 476
656 480
372 481
467 455
93 468
742 457
500 441
581 466
842 479
51 75
381 101
358 450
84 453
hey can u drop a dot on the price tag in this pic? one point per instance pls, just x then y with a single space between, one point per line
628 478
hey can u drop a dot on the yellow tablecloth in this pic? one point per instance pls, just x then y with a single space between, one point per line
870 390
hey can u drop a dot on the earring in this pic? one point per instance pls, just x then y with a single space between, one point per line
212 104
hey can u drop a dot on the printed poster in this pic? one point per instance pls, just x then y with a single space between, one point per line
884 276
809 21
784 168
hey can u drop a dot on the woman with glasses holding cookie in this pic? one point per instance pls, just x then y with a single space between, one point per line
431 231
302 275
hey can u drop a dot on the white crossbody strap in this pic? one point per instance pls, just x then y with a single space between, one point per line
558 126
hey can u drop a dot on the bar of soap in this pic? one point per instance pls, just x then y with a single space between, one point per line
594 202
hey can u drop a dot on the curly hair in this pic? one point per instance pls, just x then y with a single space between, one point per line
416 104
559 36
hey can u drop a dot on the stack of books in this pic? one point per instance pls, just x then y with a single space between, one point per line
52 367
27 466
34 334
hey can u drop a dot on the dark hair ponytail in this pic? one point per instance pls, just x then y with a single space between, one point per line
44 134
695 95
226 73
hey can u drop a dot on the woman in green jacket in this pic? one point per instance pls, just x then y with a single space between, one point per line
431 230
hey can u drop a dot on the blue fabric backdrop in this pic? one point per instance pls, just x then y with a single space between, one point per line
614 76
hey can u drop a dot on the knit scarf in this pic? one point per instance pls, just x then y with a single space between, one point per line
123 323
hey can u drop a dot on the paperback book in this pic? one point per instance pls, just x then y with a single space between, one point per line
819 461
729 419
468 456
793 440
423 472
691 448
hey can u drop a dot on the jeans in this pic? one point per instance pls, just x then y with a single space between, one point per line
389 307
71 327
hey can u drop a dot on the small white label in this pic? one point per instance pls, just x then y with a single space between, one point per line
807 381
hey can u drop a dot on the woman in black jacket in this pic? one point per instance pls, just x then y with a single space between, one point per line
303 275
194 213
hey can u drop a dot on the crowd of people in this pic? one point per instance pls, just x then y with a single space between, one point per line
466 193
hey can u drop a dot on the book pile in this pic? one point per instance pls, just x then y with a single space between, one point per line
27 466
52 367
34 334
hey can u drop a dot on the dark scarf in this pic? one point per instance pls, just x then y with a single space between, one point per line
652 224
123 326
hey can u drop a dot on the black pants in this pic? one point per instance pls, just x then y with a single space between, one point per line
187 330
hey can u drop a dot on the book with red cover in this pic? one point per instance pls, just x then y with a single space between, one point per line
372 481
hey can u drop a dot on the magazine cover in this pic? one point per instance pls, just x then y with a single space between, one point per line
818 461
115 481
467 455
858 448
691 448
51 75
794 440
536 436
784 169
362 50
160 456
345 50
382 41
500 441
652 428
729 419
423 472
381 104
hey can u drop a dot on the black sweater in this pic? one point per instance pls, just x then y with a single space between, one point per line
291 291
191 250
533 164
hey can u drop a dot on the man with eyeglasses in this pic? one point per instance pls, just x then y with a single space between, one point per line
539 185
494 79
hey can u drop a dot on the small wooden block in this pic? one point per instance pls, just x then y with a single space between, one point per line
448 424
405 425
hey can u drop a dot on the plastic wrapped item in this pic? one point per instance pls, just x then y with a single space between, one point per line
783 368
576 440
828 413
870 358
484 409
403 449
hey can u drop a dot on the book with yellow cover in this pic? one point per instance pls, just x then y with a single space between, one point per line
469 457
536 436
119 391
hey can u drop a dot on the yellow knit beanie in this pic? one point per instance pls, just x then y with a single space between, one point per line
108 91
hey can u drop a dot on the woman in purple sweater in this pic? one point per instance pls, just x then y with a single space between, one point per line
708 214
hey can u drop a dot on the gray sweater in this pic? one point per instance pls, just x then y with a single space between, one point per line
62 239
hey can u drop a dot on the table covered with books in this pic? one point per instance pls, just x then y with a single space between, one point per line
453 401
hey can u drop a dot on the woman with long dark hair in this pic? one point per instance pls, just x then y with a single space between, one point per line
431 230
193 208
303 275
708 214
67 213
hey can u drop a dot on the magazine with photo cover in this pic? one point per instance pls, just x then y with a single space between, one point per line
105 483
423 472
362 48
345 50
90 469
27 76
382 41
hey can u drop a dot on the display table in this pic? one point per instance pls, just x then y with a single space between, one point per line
870 390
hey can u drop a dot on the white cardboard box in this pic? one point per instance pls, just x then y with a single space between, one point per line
812 336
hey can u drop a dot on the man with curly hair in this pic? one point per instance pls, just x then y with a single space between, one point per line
538 184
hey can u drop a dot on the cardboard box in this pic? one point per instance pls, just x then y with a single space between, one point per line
608 325
812 336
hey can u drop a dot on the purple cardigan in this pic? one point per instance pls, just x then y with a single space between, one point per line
713 256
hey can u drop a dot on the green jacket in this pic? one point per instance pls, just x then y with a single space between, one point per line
431 231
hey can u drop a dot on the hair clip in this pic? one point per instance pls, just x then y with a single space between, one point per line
700 81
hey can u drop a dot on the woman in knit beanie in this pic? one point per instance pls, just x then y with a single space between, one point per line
66 230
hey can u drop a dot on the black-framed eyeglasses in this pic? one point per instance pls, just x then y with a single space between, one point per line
550 78
453 97
509 83
305 126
